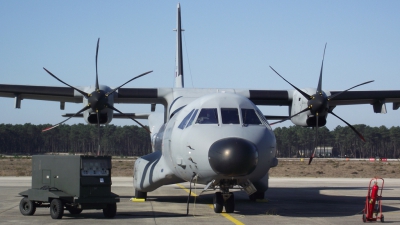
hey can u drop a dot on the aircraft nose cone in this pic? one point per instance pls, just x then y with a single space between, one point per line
233 157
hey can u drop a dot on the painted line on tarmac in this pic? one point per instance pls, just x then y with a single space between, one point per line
226 215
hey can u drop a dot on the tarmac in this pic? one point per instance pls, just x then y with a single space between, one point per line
288 201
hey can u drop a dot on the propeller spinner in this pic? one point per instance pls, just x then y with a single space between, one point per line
318 104
97 100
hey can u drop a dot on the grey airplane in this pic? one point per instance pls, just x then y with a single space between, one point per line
216 137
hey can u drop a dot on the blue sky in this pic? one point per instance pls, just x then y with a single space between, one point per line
228 44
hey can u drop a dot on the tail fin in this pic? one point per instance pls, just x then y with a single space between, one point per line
179 61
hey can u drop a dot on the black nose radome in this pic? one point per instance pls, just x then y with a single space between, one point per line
233 157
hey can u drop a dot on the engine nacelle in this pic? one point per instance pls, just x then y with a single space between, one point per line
299 103
106 114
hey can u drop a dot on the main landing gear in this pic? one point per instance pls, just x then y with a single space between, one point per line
226 199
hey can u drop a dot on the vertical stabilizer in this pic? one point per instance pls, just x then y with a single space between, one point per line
179 60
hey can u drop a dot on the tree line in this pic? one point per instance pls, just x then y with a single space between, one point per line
380 141
27 139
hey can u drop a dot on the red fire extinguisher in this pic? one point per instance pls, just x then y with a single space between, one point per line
373 202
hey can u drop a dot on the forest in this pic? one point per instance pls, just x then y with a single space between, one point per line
27 139
379 142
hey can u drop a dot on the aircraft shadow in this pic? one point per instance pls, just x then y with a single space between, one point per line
296 202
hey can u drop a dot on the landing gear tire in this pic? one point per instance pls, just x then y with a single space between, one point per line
27 207
256 195
230 204
218 202
139 194
110 211
56 209
364 218
382 219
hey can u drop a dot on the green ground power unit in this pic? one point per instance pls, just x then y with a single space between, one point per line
73 182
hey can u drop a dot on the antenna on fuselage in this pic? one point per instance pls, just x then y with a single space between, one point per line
179 59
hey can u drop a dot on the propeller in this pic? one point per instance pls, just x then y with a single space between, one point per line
97 100
318 104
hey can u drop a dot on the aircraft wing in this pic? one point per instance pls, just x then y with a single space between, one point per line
67 94
366 97
47 93
284 97
159 95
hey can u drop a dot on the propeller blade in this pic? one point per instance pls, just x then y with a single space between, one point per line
316 139
354 129
112 107
97 54
76 89
112 91
335 95
319 88
49 128
98 132
302 92
280 121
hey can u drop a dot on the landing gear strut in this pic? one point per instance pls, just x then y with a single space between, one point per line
226 199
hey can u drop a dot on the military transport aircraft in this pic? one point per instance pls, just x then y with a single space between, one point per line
216 137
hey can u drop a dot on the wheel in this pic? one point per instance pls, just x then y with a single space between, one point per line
139 194
364 218
56 209
230 204
110 211
256 195
74 210
218 202
382 219
27 207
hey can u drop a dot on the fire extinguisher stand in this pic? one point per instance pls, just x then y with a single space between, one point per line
373 202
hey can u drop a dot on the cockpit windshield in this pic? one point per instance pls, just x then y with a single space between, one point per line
230 116
249 116
208 116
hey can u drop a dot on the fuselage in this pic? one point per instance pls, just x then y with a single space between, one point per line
230 118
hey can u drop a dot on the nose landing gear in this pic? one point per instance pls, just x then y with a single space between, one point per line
226 199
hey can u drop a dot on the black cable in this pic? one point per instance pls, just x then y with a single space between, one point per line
190 192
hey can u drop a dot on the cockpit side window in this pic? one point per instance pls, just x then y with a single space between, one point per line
185 120
192 118
249 116
208 116
230 116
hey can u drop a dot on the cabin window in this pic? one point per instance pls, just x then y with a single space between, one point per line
230 116
249 116
208 116
192 118
185 120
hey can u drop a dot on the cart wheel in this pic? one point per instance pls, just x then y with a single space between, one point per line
74 210
27 207
382 219
364 218
56 209
110 211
